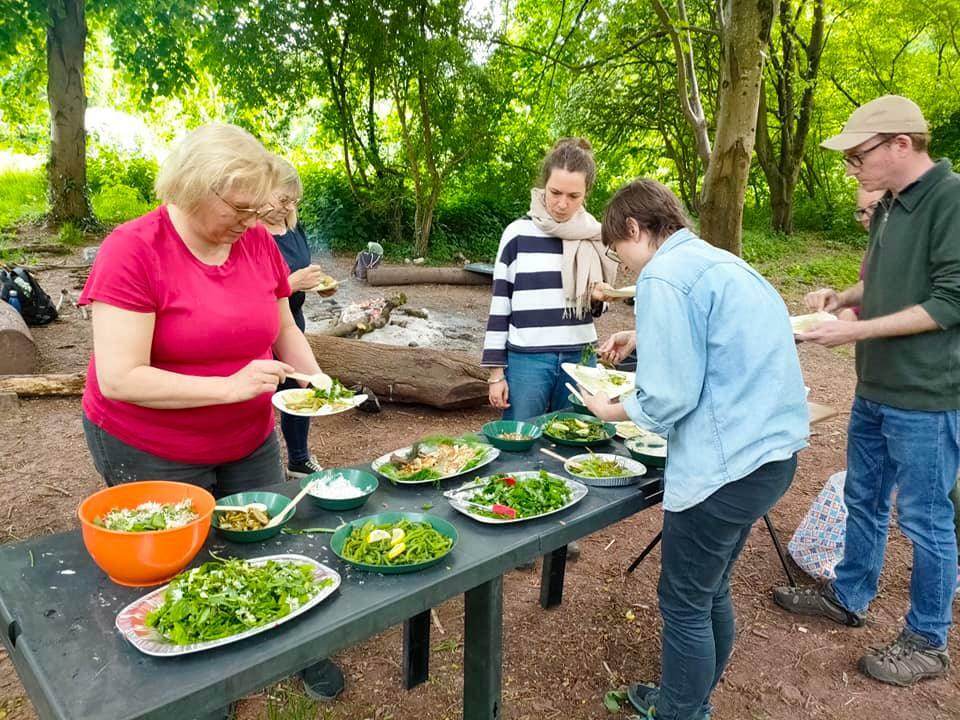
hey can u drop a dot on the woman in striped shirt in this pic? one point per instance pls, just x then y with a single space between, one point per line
547 287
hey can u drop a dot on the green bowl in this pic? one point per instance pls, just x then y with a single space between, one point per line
360 479
339 538
578 406
275 502
635 448
609 428
493 429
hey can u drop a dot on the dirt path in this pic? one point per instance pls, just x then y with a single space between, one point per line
557 664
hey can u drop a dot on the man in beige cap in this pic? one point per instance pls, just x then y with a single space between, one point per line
904 431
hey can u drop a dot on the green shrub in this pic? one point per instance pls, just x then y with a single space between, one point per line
836 271
70 234
107 167
762 245
119 203
23 194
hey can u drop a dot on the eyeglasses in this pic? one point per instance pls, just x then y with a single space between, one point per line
291 202
865 213
612 254
856 160
246 213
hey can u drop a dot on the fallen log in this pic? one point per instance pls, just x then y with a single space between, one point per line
43 385
18 351
375 316
404 375
420 275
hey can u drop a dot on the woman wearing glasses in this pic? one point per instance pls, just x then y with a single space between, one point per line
189 311
547 287
282 223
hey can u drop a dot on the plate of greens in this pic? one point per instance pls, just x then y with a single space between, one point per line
394 542
314 402
435 458
574 429
613 383
224 601
605 469
531 494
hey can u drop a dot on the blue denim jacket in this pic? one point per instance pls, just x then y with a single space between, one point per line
717 372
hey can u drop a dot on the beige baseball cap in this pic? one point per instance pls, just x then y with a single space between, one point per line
887 114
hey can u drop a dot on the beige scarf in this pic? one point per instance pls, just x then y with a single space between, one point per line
584 259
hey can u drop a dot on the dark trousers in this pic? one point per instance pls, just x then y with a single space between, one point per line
700 546
295 430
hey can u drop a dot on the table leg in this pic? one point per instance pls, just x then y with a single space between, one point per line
416 650
551 580
483 650
779 548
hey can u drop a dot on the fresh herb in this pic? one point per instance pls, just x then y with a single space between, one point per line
148 516
529 497
427 506
227 597
435 458
614 700
588 354
596 466
391 544
307 531
576 429
313 399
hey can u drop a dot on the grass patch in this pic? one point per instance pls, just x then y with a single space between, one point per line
286 703
836 271
23 196
118 203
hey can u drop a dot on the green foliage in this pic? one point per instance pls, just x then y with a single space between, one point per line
109 167
828 270
119 203
70 234
22 195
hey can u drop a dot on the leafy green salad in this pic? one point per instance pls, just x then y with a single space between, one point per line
148 516
400 543
435 458
222 598
529 497
597 466
576 429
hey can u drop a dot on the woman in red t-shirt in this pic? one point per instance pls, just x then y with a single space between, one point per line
189 310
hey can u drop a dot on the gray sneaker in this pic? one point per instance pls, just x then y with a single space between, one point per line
816 602
906 660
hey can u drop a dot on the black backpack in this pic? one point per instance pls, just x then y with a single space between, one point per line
35 305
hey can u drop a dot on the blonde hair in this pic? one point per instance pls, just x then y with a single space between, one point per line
215 159
287 178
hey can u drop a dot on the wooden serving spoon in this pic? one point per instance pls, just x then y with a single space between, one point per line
287 511
241 508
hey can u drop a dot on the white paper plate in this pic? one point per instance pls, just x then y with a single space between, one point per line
578 490
627 430
597 379
492 454
324 409
131 620
804 323
634 468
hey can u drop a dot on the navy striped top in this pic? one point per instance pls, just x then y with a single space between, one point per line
526 311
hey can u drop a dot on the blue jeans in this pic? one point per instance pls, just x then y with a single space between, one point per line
917 453
537 382
700 546
295 430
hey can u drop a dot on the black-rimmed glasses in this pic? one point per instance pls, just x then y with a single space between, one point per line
865 213
856 160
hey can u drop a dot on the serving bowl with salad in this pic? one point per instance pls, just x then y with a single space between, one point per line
605 469
394 542
576 430
250 524
516 497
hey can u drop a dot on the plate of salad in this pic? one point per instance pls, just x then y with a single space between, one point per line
514 497
574 429
435 458
613 383
224 601
605 469
394 542
314 402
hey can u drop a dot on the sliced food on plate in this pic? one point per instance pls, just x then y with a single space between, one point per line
512 497
434 458
316 401
612 383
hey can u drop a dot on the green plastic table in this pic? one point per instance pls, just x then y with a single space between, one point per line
57 609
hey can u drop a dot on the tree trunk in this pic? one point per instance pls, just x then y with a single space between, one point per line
43 385
744 38
18 351
781 205
404 375
420 275
67 168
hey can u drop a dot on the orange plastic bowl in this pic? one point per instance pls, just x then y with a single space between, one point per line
142 559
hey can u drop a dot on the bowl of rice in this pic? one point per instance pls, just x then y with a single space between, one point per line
144 533
340 488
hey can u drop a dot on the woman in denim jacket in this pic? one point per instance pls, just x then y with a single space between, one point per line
718 375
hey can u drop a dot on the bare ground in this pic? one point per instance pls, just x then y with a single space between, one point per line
558 663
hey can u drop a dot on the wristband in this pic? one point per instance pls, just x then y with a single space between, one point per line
498 380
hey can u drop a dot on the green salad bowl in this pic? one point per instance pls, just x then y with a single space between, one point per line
360 479
492 431
276 504
609 430
339 539
577 405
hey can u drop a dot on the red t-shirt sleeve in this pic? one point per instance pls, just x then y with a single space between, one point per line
124 274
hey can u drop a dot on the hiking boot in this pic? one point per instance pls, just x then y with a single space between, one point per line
573 551
300 470
644 698
322 681
906 660
816 602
